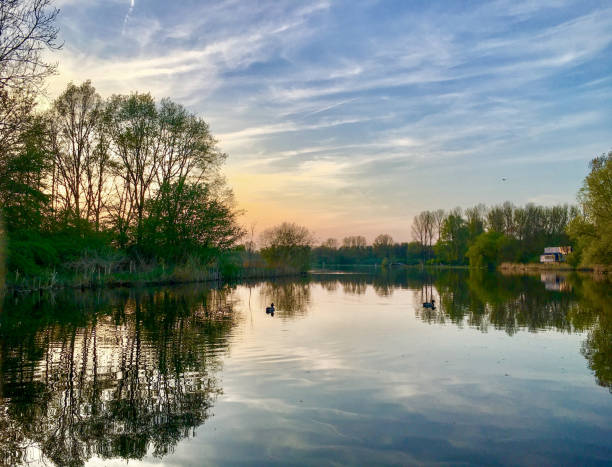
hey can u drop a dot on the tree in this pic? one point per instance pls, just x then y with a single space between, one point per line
80 146
496 219
132 126
423 229
16 114
287 245
154 146
383 246
439 215
330 243
454 238
357 241
188 151
592 231
485 251
190 219
475 220
27 28
23 200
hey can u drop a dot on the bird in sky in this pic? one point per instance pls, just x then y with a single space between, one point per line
504 179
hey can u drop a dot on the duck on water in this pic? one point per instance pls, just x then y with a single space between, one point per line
270 309
431 304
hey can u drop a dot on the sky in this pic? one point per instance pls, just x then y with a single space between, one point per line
350 117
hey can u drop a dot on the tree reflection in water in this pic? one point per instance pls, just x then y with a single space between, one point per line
597 348
291 297
484 300
130 373
521 302
112 374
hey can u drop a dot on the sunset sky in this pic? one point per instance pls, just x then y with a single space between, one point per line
351 116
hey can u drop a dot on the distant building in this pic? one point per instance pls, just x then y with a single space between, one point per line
555 254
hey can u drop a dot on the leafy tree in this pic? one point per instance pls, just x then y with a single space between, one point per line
154 146
592 231
131 122
81 162
453 244
485 251
190 219
475 220
287 245
22 181
383 246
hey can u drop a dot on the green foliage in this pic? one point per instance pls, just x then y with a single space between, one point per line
454 237
189 219
383 246
592 232
485 251
23 201
287 245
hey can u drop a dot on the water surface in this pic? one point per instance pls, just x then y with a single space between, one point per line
351 369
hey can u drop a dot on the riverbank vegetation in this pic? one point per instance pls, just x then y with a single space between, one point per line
113 191
508 235
94 186
125 189
478 236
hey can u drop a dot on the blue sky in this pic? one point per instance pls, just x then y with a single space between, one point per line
352 116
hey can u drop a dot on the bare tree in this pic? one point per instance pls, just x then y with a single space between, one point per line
356 241
439 216
424 229
27 27
419 230
383 245
287 245
330 243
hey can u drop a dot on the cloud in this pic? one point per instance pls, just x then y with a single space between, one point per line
127 16
348 107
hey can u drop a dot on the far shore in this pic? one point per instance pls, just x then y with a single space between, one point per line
556 267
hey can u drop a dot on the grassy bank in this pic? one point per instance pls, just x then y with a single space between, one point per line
535 267
181 274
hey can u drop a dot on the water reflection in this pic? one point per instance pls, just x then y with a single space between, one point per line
597 348
126 374
109 374
554 281
510 303
291 297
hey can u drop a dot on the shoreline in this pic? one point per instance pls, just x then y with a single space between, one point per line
41 284
551 267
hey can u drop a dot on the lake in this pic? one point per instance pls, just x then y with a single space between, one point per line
350 369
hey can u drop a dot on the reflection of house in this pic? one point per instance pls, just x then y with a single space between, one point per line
555 282
555 254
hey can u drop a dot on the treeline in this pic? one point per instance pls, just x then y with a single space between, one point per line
93 187
110 181
479 236
483 236
94 184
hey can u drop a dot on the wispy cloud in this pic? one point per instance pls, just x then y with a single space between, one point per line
365 109
127 16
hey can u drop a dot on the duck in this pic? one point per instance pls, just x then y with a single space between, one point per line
270 309
431 304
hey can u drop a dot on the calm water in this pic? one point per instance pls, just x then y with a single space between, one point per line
351 369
